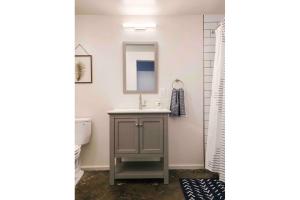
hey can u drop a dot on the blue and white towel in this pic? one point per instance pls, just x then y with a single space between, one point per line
177 106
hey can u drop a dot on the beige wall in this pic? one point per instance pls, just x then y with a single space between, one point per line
180 43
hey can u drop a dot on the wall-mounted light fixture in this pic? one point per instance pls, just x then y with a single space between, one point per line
139 26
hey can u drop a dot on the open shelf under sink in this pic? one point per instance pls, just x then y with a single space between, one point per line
139 169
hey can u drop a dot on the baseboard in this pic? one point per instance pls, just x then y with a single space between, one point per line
186 166
172 166
95 167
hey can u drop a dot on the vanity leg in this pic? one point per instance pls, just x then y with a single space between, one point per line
112 173
166 180
166 171
112 152
166 158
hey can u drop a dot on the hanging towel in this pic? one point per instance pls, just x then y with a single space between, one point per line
177 106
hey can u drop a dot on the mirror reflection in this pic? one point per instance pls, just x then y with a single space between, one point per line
140 67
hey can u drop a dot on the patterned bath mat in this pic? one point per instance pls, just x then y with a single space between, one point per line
203 189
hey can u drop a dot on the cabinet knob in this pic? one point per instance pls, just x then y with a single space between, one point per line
141 125
136 125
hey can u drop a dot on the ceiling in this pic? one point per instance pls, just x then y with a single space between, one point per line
149 7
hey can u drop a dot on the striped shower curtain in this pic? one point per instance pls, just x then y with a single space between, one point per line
215 151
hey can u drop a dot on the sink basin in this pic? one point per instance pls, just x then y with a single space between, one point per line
136 110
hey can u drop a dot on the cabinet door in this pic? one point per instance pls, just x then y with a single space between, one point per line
126 136
151 135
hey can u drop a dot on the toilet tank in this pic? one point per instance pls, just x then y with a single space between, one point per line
83 130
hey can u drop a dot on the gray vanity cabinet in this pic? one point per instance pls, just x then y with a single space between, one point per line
126 135
141 138
139 135
151 135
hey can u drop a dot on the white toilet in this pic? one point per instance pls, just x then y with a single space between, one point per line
83 131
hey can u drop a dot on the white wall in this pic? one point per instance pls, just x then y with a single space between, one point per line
180 44
211 22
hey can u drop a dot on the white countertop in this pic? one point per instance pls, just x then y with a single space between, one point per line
135 110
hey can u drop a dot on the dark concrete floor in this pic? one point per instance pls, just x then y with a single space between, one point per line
94 185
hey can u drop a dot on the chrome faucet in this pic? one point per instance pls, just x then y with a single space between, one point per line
141 104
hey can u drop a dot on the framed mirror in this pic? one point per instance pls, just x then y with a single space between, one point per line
140 67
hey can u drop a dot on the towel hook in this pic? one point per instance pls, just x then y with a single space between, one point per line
177 81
